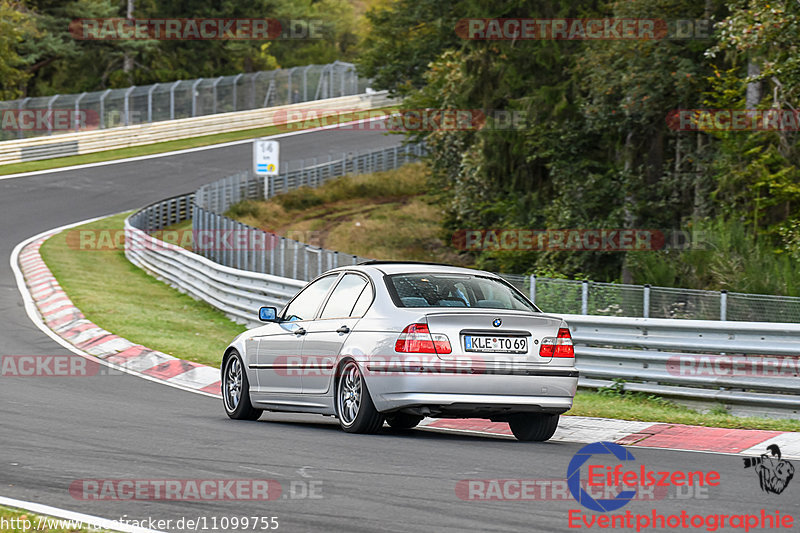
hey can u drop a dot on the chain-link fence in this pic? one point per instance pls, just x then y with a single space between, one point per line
616 299
231 243
61 113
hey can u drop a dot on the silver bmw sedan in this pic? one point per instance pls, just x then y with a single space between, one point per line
398 342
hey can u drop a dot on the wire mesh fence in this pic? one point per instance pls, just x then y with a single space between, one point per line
616 299
110 108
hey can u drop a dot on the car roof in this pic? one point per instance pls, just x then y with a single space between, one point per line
410 267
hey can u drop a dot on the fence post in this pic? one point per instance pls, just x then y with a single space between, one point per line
150 102
214 90
289 99
194 96
172 100
283 257
723 305
128 104
235 81
77 111
20 133
533 289
646 303
584 297
49 109
294 265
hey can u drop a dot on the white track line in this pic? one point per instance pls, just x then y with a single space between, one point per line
88 521
184 151
33 313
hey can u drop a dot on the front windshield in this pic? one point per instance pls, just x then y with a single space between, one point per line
455 290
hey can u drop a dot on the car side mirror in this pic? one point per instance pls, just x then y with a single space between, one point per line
268 314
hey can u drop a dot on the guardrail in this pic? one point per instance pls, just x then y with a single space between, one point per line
752 367
98 140
238 293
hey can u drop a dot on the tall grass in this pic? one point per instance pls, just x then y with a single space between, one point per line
724 256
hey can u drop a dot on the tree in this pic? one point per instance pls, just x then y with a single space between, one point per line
16 25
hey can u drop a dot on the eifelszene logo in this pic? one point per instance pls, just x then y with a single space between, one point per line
774 473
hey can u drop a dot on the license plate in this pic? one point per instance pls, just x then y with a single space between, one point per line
480 343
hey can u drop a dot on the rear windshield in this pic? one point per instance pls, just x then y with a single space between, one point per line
455 290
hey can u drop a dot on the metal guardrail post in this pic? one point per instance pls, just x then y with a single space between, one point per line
235 82
20 133
194 96
172 100
723 305
289 99
283 257
127 104
305 83
214 92
50 113
150 102
294 264
584 297
78 110
646 302
533 289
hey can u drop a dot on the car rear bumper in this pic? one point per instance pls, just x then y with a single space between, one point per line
474 394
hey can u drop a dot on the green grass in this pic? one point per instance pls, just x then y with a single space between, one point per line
608 403
149 149
123 299
387 215
9 514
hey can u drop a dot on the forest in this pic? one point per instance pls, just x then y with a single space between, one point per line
598 141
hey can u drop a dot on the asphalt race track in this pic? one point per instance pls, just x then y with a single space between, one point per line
59 430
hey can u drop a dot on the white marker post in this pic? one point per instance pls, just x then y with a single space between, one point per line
266 156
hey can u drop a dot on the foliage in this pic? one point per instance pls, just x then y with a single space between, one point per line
16 25
595 149
39 56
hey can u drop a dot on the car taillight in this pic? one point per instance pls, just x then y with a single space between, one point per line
558 346
417 338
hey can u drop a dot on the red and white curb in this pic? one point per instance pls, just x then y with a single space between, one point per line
86 338
61 316
643 434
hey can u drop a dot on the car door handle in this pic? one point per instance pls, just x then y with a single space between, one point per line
343 329
299 332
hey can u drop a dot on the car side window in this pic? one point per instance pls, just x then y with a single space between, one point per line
305 306
344 297
363 302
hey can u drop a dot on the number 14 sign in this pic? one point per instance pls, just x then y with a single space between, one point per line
265 157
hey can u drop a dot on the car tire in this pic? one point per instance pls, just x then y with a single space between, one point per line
533 426
354 406
403 420
236 390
